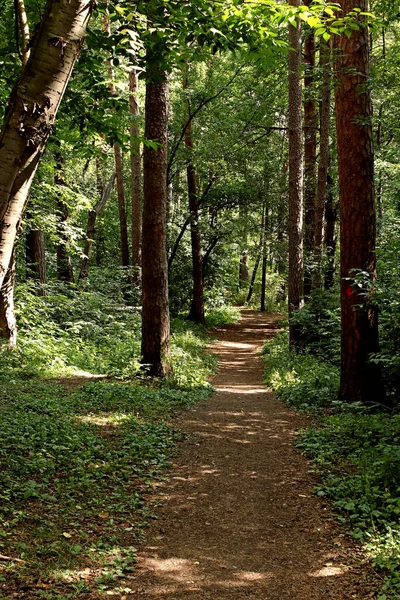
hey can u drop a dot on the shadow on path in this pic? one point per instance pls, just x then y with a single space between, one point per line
238 519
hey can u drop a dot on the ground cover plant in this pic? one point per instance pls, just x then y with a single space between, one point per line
77 454
355 448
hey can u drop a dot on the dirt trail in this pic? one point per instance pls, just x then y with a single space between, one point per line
238 519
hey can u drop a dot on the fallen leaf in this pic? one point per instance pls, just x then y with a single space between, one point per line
67 535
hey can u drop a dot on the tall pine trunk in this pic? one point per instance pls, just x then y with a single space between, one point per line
29 118
295 295
360 379
136 178
155 308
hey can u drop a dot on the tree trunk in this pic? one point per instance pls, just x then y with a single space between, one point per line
310 155
360 380
91 227
121 206
330 235
264 258
136 178
155 312
295 296
323 165
64 265
36 259
24 30
196 312
30 115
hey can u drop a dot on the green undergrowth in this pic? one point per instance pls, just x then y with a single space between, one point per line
356 453
79 457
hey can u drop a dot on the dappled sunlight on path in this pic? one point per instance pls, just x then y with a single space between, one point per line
238 519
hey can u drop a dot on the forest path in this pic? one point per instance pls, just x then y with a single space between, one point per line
238 518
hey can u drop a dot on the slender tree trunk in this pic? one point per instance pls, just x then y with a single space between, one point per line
24 30
264 259
360 380
196 312
29 119
36 259
330 235
295 297
136 178
121 206
310 154
64 265
91 227
323 165
123 228
155 312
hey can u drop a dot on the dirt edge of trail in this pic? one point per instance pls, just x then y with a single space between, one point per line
236 517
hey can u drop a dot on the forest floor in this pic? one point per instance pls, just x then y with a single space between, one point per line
237 518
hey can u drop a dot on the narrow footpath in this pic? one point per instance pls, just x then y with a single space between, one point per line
238 519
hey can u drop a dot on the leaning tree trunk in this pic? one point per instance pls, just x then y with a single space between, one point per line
360 379
310 155
136 178
323 165
31 112
295 296
155 308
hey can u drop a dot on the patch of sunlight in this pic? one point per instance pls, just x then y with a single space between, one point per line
252 576
235 345
103 420
328 572
240 389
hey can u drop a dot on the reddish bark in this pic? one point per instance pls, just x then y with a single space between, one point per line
360 380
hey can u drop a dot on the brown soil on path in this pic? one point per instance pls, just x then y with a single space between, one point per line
238 519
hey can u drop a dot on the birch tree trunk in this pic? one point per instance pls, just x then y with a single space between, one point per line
295 295
31 112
